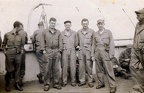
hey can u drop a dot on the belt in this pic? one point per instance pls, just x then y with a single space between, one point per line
9 47
53 47
137 49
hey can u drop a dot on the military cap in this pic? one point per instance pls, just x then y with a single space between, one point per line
67 22
100 21
140 11
40 23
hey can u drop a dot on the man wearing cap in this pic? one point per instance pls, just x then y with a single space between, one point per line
68 43
137 54
37 40
50 48
118 70
85 39
103 52
124 58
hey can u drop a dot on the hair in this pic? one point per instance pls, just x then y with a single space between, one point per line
17 24
67 22
84 20
52 19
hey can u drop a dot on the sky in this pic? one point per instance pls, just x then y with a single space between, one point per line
119 15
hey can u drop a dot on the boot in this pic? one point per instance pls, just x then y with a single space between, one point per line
126 76
39 76
21 82
7 82
112 89
17 87
7 87
46 87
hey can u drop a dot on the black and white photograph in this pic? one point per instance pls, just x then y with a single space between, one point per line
71 46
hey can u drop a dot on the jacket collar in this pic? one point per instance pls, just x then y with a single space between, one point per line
139 28
85 32
52 32
14 32
65 33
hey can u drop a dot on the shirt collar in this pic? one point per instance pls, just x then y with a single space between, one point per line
102 32
65 33
52 32
14 32
85 32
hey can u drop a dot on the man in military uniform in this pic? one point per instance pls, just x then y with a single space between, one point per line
124 58
52 55
68 43
118 70
37 40
137 54
103 51
85 37
25 39
13 46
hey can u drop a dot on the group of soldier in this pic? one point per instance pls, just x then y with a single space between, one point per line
56 50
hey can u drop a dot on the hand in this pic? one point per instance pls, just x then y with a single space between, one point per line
111 56
127 59
93 59
4 51
44 52
22 51
77 48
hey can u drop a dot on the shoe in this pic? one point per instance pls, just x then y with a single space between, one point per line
100 86
64 84
39 76
20 83
57 87
81 84
7 88
113 90
46 88
17 87
125 75
90 84
73 84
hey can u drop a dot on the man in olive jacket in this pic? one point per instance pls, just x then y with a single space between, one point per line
103 52
137 54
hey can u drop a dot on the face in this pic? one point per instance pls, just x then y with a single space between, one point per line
67 26
19 28
100 26
140 17
85 24
52 24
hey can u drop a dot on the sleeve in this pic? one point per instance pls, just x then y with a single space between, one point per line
22 42
26 38
112 45
4 42
76 40
142 39
60 43
121 57
33 39
93 46
43 43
